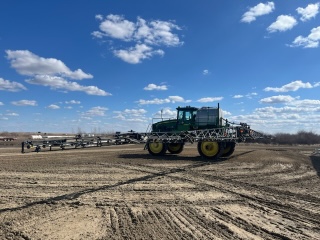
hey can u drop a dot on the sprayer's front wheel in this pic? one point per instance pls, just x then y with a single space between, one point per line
157 148
229 149
210 150
175 148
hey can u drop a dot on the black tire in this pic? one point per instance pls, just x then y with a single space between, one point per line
175 148
157 148
210 150
228 149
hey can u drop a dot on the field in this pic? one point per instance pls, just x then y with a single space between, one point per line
121 192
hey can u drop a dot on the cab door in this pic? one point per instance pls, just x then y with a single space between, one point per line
185 120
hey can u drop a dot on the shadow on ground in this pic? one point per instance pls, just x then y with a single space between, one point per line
168 157
174 157
315 160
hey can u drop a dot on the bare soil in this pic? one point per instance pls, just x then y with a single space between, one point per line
122 192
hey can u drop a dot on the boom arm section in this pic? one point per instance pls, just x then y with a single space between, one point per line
225 134
244 132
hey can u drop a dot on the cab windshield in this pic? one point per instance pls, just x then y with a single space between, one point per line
185 115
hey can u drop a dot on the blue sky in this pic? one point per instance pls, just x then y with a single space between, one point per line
106 65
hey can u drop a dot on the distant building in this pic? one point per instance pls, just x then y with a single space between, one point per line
36 136
7 139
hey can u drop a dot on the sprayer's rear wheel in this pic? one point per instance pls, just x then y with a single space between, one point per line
210 150
157 148
229 149
175 148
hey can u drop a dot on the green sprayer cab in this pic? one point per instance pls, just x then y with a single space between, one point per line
192 118
216 136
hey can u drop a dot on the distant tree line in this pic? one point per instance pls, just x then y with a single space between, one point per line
301 137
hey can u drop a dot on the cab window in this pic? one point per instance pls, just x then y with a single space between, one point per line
180 115
188 116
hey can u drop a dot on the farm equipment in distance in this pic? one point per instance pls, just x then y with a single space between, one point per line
39 142
216 136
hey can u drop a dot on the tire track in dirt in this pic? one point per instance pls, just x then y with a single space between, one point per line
75 195
202 225
162 218
251 228
231 186
225 181
116 221
264 232
289 211
261 205
280 195
187 218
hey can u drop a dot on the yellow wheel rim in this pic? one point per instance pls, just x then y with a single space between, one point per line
210 149
155 147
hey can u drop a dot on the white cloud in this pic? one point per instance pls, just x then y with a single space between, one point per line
116 26
1 104
174 99
282 24
256 11
293 107
205 72
60 83
157 33
53 106
250 95
309 12
99 17
209 99
7 85
166 113
25 103
95 111
27 63
170 99
72 102
136 54
152 86
306 103
292 116
277 99
135 112
97 34
153 33
119 116
311 41
132 115
226 113
293 86
12 114
154 101
288 119
49 72
143 34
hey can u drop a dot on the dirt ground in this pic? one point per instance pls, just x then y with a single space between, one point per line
121 192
